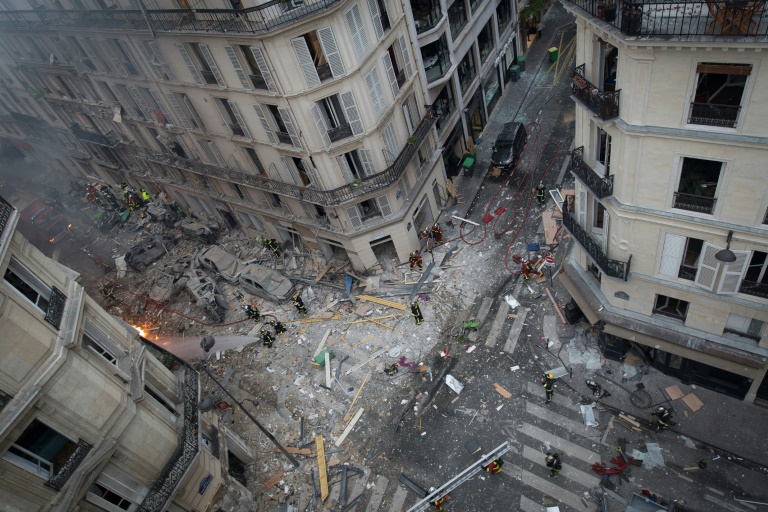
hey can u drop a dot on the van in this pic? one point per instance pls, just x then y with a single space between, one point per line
509 146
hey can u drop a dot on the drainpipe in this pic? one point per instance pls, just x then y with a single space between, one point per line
146 17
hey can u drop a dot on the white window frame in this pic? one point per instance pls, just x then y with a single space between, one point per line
43 291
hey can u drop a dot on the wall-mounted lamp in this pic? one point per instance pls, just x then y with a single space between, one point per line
726 255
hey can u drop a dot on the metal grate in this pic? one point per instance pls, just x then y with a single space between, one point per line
600 186
609 267
604 104
55 311
58 480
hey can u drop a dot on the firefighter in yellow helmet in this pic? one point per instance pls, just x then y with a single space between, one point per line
548 381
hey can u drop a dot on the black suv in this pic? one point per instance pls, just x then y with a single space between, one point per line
509 146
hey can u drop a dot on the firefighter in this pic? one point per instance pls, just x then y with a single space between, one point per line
494 467
278 326
416 312
416 259
439 503
540 197
267 338
529 269
597 389
299 304
252 312
391 370
548 381
662 418
553 463
144 196
272 245
437 234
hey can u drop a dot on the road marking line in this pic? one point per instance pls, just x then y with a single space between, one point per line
514 332
498 324
560 444
538 390
723 504
485 307
378 495
580 477
548 487
398 499
528 505
557 419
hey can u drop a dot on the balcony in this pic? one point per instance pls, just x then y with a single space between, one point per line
688 273
253 20
209 77
101 109
426 15
694 203
755 289
609 267
600 186
337 196
336 134
604 104
259 82
108 139
285 138
708 114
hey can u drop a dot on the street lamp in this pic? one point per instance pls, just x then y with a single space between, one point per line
726 255
206 403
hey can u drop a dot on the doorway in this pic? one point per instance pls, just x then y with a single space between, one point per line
385 252
476 115
603 153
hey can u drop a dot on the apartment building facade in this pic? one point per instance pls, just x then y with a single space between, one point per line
304 121
89 418
670 209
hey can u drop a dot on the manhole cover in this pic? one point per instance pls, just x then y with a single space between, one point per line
394 352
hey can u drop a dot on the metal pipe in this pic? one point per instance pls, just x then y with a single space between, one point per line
204 367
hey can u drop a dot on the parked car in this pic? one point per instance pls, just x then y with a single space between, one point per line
206 294
263 282
509 146
225 264
166 287
140 256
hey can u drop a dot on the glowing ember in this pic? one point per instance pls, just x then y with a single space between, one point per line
142 332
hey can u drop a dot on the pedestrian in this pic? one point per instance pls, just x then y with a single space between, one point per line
144 196
252 312
267 338
539 28
299 304
494 467
439 503
597 389
437 234
553 463
416 312
416 259
278 326
540 196
548 381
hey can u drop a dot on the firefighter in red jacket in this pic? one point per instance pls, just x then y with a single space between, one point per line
439 503
529 269
437 234
494 467
416 259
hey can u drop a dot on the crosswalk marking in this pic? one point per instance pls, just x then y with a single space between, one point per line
528 505
723 504
547 486
358 488
485 307
559 399
498 324
398 499
514 332
550 416
378 494
567 447
568 471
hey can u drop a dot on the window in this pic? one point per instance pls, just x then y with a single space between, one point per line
755 280
603 156
698 185
319 56
337 118
93 345
40 450
444 106
158 398
375 92
437 59
485 41
357 31
115 490
250 220
212 152
254 158
28 285
475 4
426 14
277 124
203 68
457 16
411 113
231 114
744 327
356 165
668 306
681 256
379 16
128 101
504 15
108 500
719 91
156 61
467 71
185 111
257 68
397 62
121 60
296 167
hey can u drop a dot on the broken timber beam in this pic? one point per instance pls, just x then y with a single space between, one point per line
383 302
323 272
374 356
351 424
373 318
321 468
557 308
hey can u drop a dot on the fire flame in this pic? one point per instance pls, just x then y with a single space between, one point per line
142 332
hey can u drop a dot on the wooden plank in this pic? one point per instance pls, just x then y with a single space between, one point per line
346 416
374 356
373 318
329 306
628 420
322 272
361 342
315 319
327 369
272 481
383 302
503 392
322 471
322 343
385 325
557 308
295 451
351 424
693 402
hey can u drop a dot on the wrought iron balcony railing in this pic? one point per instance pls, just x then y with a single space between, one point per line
170 478
756 289
341 132
285 138
108 139
6 209
694 203
688 273
102 109
600 186
681 18
259 82
67 469
253 20
604 104
714 115
609 267
334 197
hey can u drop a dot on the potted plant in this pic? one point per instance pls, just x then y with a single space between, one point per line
356 183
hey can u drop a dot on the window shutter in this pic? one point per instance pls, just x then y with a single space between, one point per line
149 59
160 58
733 273
331 50
406 56
310 172
391 75
390 141
96 334
373 6
408 117
357 30
239 118
109 50
406 183
238 68
708 266
217 158
191 155
188 61
179 112
286 117
160 103
193 112
264 123
309 212
606 226
738 323
672 255
148 112
266 74
322 127
353 212
581 208
123 101
345 170
367 160
290 169
352 114
375 92
305 61
384 207
212 64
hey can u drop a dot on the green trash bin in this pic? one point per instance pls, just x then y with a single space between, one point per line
514 73
521 62
553 54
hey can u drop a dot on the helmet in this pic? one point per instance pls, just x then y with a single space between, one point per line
550 376
295 297
661 409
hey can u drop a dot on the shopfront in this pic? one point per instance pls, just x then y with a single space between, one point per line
476 114
453 150
491 88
